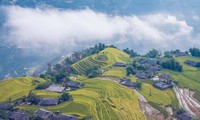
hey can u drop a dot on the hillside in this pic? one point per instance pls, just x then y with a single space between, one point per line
16 88
106 58
189 78
100 99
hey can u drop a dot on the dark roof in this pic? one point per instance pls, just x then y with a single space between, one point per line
184 116
4 106
44 114
48 101
18 116
162 85
127 83
120 64
141 75
178 54
48 115
165 76
190 62
63 117
75 84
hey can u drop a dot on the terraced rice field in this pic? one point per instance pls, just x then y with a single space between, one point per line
16 88
85 64
101 99
112 55
117 72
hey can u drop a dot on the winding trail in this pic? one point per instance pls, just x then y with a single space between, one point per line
186 100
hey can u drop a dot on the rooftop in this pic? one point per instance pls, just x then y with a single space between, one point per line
55 88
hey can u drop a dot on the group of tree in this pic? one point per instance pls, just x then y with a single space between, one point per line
172 64
93 72
65 97
153 53
132 53
195 52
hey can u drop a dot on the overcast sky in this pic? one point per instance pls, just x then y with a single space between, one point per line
52 29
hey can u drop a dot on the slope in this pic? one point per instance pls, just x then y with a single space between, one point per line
16 88
104 59
103 100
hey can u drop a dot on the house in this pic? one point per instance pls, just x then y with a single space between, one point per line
141 75
179 54
184 116
119 64
48 115
165 78
49 102
75 84
154 69
127 83
18 116
191 63
162 86
56 88
43 114
63 117
5 106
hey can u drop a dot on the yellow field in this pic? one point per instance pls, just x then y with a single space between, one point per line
16 88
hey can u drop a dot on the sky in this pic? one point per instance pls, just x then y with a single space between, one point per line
50 29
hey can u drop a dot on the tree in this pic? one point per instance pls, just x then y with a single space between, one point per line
153 53
65 97
130 70
34 99
4 115
172 64
195 52
132 53
138 84
180 111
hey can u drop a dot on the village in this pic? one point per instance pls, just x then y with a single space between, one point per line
145 69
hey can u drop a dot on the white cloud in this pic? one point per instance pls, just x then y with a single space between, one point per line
44 29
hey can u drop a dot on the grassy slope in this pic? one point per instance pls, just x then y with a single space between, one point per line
189 78
100 99
16 88
112 55
161 97
115 72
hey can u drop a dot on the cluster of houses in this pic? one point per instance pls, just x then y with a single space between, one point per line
152 68
41 113
163 81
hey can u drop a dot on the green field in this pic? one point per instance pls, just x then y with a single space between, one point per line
104 59
117 72
16 88
189 78
104 100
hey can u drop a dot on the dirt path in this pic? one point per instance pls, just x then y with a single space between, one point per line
186 100
150 112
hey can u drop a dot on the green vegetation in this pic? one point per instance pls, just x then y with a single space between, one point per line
117 72
16 88
160 97
99 99
172 64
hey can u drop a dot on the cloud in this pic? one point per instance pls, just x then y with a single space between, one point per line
51 29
